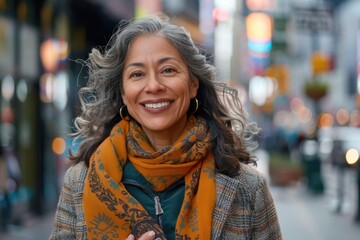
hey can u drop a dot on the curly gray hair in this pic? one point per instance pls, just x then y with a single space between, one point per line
219 104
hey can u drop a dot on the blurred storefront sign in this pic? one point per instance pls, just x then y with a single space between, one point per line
335 3
7 45
280 73
358 68
143 7
29 45
313 18
279 40
321 62
206 19
259 35
207 23
261 5
185 8
191 26
115 8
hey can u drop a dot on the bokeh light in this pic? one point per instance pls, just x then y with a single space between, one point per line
260 89
22 90
46 87
51 52
7 87
352 156
296 104
58 145
342 116
259 27
355 118
304 114
326 120
7 115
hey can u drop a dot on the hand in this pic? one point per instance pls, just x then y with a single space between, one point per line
150 235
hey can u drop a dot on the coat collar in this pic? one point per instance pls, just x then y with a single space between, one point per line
226 189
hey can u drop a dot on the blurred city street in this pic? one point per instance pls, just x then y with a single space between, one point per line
294 65
302 215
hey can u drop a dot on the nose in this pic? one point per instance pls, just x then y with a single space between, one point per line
154 84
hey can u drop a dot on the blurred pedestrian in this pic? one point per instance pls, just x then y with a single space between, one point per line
5 205
165 148
3 171
357 215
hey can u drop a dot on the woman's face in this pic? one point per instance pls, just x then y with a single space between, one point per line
157 86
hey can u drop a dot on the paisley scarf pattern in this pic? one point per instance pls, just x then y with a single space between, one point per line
112 213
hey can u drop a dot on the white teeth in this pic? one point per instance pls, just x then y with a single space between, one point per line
156 105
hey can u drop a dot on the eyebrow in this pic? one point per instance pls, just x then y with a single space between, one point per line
160 61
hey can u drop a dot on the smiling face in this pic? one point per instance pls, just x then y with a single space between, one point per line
157 87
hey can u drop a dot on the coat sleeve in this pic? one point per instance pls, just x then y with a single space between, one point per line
65 222
265 220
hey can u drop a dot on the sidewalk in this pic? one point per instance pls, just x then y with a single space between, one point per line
305 216
35 228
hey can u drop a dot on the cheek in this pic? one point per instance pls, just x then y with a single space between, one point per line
130 95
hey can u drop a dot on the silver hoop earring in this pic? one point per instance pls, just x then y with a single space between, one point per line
120 112
197 105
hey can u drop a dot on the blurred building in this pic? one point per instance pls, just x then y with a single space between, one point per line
291 58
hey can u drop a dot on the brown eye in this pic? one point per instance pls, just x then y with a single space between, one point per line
168 70
136 74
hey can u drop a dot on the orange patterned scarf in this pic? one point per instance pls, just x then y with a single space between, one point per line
112 213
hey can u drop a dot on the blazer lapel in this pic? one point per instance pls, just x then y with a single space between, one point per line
226 189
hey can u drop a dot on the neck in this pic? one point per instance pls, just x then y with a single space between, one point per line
162 139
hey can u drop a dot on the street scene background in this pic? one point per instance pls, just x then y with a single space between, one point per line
295 64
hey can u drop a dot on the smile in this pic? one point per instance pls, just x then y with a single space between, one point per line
156 105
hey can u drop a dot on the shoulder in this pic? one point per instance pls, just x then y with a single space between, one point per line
254 185
252 179
75 176
248 182
247 174
251 175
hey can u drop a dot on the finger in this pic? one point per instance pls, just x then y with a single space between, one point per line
150 235
130 237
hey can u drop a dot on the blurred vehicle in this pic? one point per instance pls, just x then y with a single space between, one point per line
340 145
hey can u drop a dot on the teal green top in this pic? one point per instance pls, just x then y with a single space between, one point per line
171 199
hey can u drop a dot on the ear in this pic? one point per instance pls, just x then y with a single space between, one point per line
123 97
194 86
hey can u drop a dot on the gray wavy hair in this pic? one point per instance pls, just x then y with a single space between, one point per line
232 133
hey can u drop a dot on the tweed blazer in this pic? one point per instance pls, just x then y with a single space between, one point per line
244 207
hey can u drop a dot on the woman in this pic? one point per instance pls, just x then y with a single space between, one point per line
165 147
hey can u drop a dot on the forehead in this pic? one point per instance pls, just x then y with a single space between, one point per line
151 45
